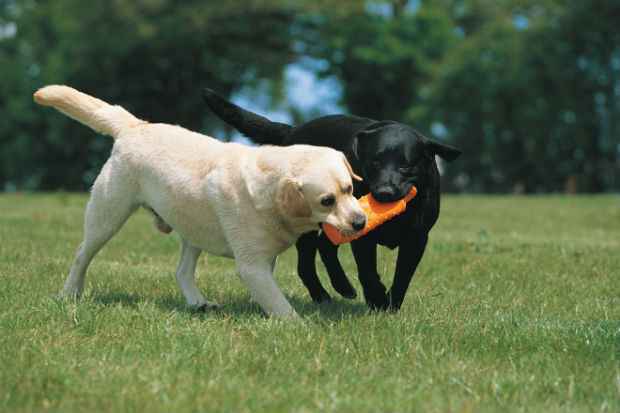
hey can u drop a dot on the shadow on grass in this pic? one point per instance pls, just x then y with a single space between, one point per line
238 307
113 298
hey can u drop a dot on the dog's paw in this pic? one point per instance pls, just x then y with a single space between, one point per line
321 297
347 292
378 306
68 295
377 301
395 303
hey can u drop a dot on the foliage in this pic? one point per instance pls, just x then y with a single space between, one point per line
151 56
528 89
500 317
380 58
532 93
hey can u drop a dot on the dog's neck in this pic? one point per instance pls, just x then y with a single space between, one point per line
294 227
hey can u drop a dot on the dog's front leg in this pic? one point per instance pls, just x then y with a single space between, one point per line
365 253
306 266
409 255
185 278
257 274
337 276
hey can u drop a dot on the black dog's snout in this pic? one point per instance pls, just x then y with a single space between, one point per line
386 193
359 222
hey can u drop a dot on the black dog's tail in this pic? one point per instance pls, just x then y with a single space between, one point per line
258 128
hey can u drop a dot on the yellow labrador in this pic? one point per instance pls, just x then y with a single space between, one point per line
246 203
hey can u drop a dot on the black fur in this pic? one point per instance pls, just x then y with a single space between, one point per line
259 128
391 157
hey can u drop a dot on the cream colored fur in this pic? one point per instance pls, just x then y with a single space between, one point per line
246 203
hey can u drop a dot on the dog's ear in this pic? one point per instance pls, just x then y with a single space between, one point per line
432 148
350 168
290 199
369 130
445 152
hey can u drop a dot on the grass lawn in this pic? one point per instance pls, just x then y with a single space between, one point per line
515 307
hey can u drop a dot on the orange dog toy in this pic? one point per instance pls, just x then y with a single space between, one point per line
376 214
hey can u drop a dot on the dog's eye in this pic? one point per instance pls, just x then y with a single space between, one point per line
328 200
348 189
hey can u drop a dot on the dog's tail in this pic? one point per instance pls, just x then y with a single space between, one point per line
258 128
92 112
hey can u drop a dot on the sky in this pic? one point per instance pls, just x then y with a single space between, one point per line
304 91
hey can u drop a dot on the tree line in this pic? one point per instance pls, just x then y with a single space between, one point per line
528 90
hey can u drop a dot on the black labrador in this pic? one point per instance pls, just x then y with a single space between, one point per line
391 157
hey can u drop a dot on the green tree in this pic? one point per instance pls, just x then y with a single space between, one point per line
151 56
532 90
383 56
528 89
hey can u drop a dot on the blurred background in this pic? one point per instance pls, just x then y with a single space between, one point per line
529 90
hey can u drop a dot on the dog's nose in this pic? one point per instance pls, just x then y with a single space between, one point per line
359 222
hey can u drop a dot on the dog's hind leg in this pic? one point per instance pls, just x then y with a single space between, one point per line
337 276
108 208
186 281
409 256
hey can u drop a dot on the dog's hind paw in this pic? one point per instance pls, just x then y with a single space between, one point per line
321 297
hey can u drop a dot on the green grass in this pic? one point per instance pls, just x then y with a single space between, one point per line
515 307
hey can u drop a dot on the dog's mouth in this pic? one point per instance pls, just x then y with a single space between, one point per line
388 193
347 232
343 232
